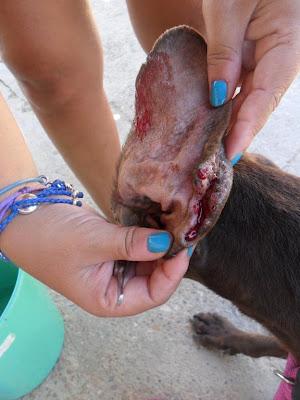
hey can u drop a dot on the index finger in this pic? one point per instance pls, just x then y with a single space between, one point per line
142 293
273 75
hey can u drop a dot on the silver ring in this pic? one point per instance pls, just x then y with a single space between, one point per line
280 374
119 273
123 271
29 209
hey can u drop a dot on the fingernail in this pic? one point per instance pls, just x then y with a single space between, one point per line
218 93
236 158
190 251
159 242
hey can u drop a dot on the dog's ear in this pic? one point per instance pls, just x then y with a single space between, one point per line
173 171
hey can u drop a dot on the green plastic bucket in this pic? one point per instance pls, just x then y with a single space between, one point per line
31 332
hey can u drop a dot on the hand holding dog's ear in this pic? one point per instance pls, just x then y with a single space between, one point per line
72 250
255 44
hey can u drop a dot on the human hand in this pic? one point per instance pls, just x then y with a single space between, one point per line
72 250
254 44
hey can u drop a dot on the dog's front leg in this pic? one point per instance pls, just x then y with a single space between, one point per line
214 331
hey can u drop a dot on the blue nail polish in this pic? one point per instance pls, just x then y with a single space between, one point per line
236 158
218 93
159 242
190 251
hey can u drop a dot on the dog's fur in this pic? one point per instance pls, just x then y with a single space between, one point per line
252 254
252 257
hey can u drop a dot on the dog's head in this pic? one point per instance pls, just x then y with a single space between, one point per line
173 173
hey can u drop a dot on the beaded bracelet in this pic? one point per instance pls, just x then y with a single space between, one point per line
27 200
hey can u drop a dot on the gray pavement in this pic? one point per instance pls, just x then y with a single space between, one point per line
151 356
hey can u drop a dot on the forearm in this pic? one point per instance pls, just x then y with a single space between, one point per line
15 159
61 72
150 18
84 131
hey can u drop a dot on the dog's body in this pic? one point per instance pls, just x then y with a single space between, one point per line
252 257
173 174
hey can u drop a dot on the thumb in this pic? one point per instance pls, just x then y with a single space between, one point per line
226 23
133 243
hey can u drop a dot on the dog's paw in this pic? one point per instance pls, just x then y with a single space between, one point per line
215 332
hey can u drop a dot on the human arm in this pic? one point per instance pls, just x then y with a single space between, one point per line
54 51
72 249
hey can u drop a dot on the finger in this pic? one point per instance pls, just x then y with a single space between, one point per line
131 243
96 289
145 268
167 277
274 73
238 100
226 24
143 293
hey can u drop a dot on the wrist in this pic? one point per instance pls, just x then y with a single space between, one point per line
19 199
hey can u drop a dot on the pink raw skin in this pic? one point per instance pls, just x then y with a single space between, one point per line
173 173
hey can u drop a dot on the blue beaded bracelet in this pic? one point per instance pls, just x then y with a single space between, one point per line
27 200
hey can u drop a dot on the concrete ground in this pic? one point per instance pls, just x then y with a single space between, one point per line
151 355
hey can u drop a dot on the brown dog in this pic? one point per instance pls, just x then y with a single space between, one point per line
173 174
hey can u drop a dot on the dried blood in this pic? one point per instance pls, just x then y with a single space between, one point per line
143 123
202 174
143 114
202 208
154 80
191 235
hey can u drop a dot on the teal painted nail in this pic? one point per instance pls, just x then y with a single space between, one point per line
218 93
159 242
190 251
236 158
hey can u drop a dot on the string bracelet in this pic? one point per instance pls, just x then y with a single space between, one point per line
42 179
27 199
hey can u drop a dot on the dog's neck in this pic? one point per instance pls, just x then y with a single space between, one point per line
252 255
